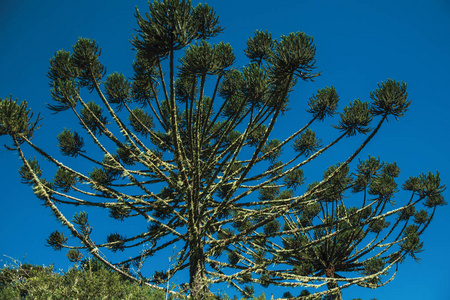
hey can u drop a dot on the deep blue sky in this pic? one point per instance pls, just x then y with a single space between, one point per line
359 44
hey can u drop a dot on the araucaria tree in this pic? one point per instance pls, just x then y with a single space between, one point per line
186 146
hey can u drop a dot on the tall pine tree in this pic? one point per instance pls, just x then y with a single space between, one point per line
186 147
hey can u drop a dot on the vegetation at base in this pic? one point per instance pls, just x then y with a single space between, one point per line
90 280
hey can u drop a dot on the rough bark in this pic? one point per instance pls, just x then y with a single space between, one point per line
197 274
330 273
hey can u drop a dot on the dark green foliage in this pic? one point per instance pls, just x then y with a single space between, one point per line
125 155
294 179
144 86
93 118
411 241
245 277
390 99
367 170
294 54
74 255
118 89
185 24
255 85
272 150
81 220
285 194
69 143
214 59
413 184
256 135
259 47
141 121
116 242
435 200
268 193
232 83
337 254
373 266
309 212
378 225
429 186
275 169
272 227
85 57
304 269
259 257
391 169
421 217
307 143
104 176
100 177
62 68
28 176
233 258
16 119
64 179
119 212
356 118
337 183
305 293
185 88
265 280
65 91
405 214
242 222
324 103
206 21
56 240
248 291
383 186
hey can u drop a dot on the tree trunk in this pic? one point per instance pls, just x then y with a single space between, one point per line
198 284
330 273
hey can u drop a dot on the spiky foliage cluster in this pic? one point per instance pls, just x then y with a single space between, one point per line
203 173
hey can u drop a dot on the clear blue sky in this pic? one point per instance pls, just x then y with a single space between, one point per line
359 43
